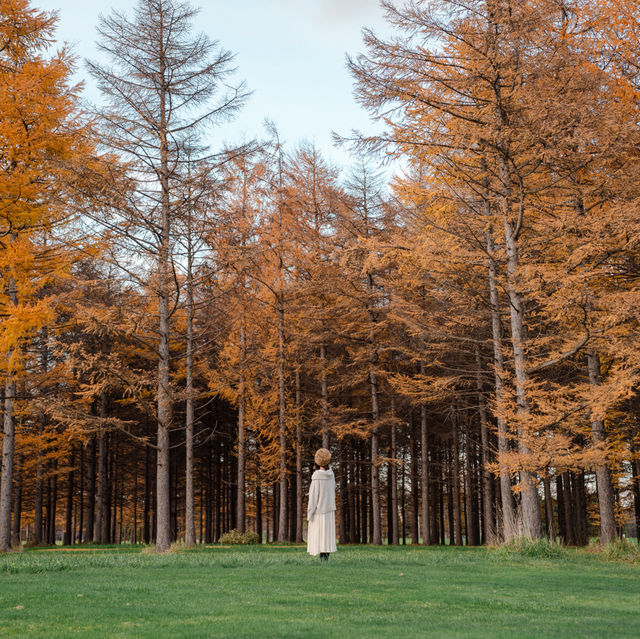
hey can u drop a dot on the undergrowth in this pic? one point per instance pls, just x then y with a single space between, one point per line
622 550
532 548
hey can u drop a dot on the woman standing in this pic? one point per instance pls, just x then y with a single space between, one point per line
321 510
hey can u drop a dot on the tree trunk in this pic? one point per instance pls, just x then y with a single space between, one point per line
582 535
324 405
488 529
91 491
603 478
102 518
134 526
344 502
531 520
282 512
375 471
470 505
299 513
635 466
241 481
67 539
415 482
146 523
509 526
393 476
52 505
80 508
17 502
548 505
189 508
455 471
568 512
8 440
37 525
259 524
562 528
164 395
424 477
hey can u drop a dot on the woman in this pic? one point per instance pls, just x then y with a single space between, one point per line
321 510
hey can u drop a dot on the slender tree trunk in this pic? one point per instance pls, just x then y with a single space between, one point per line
8 443
488 530
603 478
548 506
376 537
134 528
53 503
344 503
102 519
506 495
455 471
38 505
291 509
403 501
415 494
351 493
441 491
324 404
635 466
189 508
91 491
562 529
568 514
363 479
375 471
241 480
424 477
393 476
146 523
67 539
259 519
582 533
450 506
80 511
470 507
17 501
164 395
299 513
282 512
37 525
531 520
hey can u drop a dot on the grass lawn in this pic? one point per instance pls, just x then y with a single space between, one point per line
282 592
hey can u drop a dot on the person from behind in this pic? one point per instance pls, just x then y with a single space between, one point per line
321 508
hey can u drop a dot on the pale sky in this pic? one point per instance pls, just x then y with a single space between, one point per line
291 53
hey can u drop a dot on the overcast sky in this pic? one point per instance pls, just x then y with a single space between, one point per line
291 53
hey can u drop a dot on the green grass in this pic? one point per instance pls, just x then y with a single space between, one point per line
282 592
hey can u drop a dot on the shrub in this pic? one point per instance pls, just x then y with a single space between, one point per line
233 537
623 550
537 548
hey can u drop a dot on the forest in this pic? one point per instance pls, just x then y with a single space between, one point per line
183 325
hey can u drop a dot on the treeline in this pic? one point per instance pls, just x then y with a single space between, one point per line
182 327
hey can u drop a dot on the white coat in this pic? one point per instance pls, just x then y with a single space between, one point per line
321 513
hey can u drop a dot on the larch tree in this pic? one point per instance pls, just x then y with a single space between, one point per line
41 138
488 98
164 89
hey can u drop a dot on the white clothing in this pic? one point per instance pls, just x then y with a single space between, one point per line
322 493
321 535
321 513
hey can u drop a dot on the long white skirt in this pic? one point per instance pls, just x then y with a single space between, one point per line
321 535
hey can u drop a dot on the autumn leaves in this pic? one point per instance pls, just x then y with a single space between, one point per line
488 295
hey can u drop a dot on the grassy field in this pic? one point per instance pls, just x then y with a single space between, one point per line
282 592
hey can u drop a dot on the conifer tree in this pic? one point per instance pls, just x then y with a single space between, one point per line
42 138
161 93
